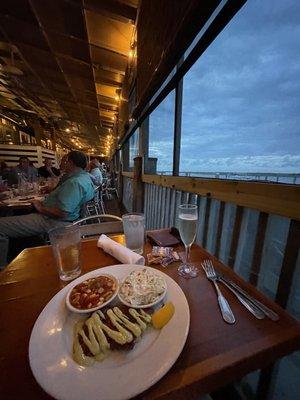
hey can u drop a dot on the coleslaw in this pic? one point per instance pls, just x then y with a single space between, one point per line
142 287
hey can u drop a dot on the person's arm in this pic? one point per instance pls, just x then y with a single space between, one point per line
49 211
93 178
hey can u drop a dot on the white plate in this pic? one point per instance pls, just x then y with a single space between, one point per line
87 310
123 374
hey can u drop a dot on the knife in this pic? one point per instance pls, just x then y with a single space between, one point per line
269 313
246 303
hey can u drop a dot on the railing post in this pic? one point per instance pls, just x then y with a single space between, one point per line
120 182
138 186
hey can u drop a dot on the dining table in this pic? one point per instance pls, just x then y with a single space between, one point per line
215 353
18 205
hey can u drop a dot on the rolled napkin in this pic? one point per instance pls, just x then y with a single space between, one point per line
120 252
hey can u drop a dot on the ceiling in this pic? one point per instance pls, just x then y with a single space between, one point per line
64 61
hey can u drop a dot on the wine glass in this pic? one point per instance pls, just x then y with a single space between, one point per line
187 221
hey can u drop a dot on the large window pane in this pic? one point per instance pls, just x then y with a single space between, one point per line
161 133
133 148
241 100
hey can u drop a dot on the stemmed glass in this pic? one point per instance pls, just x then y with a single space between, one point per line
187 221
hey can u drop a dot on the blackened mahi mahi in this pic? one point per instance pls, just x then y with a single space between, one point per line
115 328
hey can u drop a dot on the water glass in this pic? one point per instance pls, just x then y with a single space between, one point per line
66 245
187 223
134 230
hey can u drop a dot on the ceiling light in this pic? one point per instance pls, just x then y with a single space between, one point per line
130 53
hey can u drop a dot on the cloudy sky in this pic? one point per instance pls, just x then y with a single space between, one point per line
241 100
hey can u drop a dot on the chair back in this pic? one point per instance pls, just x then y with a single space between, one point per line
115 225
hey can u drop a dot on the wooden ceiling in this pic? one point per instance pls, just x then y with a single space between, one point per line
65 61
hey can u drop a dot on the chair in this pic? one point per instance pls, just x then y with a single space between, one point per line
99 227
94 206
109 188
99 199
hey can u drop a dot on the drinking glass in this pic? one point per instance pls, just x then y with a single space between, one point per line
187 222
134 230
66 245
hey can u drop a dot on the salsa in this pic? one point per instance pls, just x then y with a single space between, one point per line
93 292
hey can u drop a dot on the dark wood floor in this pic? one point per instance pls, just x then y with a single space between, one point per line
113 206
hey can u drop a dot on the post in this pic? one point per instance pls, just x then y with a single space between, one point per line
177 124
138 186
120 183
39 155
125 156
38 131
151 166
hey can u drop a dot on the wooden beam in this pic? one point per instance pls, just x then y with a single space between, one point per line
120 11
128 174
206 221
235 235
220 228
177 127
289 264
271 198
138 186
107 81
258 249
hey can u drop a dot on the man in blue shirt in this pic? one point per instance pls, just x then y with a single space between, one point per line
25 170
61 207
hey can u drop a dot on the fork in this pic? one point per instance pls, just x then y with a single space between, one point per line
227 314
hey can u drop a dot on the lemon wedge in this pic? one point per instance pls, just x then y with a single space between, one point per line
162 316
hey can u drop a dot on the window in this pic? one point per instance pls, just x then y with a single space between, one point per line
161 133
133 148
241 99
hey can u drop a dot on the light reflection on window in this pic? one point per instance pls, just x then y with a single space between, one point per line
161 133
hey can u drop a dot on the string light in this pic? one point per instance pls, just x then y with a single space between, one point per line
130 54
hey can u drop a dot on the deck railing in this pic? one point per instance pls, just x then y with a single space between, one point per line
252 227
290 178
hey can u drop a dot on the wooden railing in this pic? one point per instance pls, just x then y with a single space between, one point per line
292 178
11 154
252 227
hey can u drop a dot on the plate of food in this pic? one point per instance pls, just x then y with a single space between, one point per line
97 355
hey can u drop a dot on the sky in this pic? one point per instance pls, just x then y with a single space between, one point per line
241 99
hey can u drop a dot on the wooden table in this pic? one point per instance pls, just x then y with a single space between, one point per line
215 353
15 209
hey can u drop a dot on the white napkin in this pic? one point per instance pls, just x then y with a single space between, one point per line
120 252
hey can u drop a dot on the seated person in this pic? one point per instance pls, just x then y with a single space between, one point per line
28 172
8 174
61 207
47 171
95 173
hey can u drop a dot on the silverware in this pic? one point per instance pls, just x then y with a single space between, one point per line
250 306
268 312
227 314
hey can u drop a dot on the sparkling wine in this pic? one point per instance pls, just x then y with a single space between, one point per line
187 228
